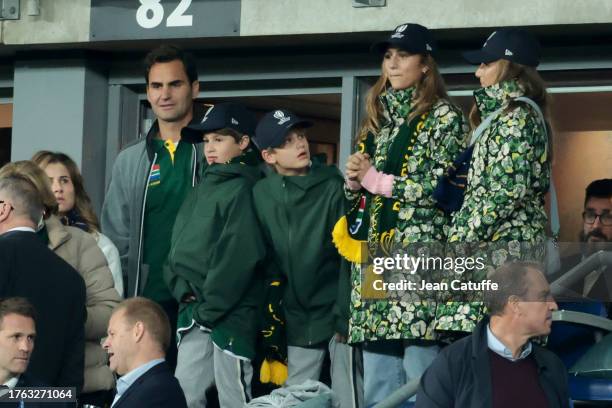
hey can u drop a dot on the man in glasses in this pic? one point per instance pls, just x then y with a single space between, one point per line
596 235
597 215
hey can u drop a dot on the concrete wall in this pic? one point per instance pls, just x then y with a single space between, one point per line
48 108
276 17
65 21
62 105
60 21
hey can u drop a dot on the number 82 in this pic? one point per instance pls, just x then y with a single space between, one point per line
150 14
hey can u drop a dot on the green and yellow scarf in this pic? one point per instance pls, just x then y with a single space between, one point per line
350 234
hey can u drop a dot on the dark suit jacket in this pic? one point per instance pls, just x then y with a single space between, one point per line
29 269
156 388
26 381
460 376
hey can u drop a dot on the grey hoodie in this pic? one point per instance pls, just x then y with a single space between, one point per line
123 209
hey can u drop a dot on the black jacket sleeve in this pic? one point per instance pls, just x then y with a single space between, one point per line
436 387
6 262
71 374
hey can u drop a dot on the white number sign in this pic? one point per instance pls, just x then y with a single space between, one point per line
150 14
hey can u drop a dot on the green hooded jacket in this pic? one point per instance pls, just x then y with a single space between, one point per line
216 246
297 216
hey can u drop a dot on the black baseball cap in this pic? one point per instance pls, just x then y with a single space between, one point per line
410 37
512 44
233 115
272 129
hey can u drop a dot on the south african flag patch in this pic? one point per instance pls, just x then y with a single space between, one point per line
155 176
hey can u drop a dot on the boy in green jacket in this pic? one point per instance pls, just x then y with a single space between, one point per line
211 267
298 205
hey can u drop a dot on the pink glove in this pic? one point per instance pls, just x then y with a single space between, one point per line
377 182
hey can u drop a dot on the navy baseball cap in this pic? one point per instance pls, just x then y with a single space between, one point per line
512 44
413 38
232 115
273 128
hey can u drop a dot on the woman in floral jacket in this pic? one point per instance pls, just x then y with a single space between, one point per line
410 136
509 175
510 169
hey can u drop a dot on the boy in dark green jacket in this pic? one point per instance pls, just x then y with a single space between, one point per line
211 268
298 205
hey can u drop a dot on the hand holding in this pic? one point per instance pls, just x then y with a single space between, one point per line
357 166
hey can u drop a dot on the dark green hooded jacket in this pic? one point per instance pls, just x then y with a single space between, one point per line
297 215
216 246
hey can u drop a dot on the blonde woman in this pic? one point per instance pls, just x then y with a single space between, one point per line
411 134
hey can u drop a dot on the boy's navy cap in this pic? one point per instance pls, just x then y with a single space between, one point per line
413 38
274 126
231 115
512 44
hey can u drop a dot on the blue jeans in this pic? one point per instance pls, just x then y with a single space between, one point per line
388 365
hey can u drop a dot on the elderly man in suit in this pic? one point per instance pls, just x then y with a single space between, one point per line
138 337
31 270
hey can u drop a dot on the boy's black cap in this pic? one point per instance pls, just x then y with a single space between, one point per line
274 126
512 44
413 38
233 115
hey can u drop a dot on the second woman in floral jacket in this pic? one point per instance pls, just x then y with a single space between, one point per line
509 175
510 168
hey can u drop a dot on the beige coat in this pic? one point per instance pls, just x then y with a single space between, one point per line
80 250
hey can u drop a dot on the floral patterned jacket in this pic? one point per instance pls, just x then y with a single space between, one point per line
509 174
438 143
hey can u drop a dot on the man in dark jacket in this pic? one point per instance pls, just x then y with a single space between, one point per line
497 366
138 337
31 270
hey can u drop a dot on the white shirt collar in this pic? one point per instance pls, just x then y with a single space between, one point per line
12 382
28 229
130 378
499 348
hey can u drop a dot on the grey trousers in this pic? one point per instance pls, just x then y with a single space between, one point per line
346 371
200 364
